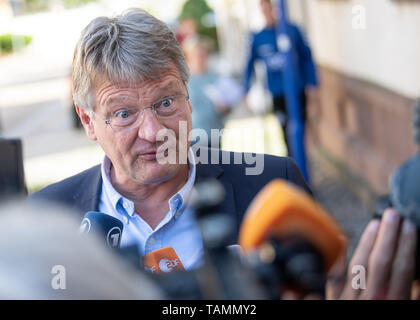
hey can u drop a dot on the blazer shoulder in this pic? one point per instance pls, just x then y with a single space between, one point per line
260 169
67 189
287 169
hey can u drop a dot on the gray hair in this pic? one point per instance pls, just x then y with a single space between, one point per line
129 48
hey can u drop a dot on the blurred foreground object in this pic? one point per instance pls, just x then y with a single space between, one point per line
290 233
38 239
288 243
404 187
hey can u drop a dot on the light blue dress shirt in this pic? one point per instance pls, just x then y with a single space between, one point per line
178 229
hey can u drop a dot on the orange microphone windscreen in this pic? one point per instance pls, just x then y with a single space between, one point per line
162 261
280 210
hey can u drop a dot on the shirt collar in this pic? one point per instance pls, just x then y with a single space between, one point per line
113 195
177 202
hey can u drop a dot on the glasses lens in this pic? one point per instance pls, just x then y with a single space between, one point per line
128 119
170 107
125 118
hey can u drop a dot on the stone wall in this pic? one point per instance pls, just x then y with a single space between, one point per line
365 129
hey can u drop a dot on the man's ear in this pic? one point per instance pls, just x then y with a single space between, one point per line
86 122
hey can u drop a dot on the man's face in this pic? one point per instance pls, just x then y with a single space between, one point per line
268 11
133 152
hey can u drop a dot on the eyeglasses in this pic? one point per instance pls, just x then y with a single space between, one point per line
165 108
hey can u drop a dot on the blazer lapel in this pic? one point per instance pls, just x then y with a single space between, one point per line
228 206
88 196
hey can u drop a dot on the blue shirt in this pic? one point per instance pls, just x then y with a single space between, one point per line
264 48
178 229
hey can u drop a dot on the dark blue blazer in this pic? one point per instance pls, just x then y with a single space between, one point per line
82 192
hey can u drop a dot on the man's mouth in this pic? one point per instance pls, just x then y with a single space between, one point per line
149 155
153 155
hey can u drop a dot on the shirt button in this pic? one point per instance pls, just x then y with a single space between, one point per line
125 220
152 241
125 205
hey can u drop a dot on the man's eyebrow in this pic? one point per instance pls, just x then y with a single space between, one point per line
158 91
119 99
169 86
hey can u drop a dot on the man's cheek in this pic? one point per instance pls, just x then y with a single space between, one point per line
183 141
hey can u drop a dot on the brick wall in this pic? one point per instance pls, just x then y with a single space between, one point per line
363 128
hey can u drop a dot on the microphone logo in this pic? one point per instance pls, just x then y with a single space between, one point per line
113 238
166 265
85 226
162 261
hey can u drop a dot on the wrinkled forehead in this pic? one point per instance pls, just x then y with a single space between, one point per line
160 78
107 91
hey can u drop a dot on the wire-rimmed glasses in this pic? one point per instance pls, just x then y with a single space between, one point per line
130 118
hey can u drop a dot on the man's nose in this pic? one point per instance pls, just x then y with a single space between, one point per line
150 126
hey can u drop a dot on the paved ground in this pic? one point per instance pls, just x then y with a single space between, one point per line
348 211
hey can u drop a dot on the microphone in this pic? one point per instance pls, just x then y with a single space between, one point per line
164 260
285 227
101 223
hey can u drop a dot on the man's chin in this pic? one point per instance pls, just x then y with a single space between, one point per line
152 172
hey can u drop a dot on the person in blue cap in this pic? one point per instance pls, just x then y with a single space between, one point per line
264 48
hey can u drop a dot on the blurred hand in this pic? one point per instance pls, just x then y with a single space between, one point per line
290 295
387 252
415 291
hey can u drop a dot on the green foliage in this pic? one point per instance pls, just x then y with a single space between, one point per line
31 6
8 40
198 10
195 9
76 3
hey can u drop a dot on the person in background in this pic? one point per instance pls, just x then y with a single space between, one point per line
187 28
208 110
264 48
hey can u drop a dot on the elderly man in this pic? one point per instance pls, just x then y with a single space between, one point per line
129 87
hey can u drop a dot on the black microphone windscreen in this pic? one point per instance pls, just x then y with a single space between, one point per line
98 222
